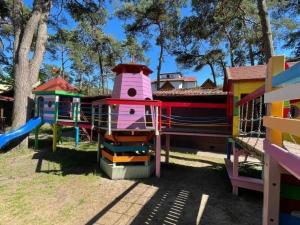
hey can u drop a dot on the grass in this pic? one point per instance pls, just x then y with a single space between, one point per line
67 186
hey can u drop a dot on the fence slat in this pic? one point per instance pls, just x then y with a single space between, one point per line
291 126
286 93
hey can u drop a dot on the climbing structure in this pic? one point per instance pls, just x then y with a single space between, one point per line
58 103
126 124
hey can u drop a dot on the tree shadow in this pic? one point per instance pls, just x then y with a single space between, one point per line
185 195
70 161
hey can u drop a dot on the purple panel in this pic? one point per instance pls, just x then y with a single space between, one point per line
121 115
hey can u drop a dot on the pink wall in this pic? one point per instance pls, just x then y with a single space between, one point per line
121 117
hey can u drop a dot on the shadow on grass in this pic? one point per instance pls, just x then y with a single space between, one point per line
185 195
69 159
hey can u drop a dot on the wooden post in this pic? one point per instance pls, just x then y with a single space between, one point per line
168 136
109 120
157 155
93 122
235 170
156 121
271 167
54 141
169 112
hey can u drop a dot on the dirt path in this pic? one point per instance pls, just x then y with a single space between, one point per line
67 188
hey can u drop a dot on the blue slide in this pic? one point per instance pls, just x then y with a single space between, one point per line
21 131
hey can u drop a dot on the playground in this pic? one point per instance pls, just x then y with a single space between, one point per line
129 150
67 187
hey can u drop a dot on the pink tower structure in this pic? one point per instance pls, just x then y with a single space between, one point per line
133 83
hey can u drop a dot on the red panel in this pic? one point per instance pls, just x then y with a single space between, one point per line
112 101
289 205
257 93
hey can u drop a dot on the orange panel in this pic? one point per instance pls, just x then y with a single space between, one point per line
124 158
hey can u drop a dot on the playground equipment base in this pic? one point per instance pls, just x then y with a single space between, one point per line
120 172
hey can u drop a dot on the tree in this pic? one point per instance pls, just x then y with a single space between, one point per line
26 68
266 29
159 17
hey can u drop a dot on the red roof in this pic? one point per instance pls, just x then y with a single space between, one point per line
131 68
56 84
257 72
186 79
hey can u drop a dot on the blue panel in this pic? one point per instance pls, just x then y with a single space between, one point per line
114 148
290 76
288 219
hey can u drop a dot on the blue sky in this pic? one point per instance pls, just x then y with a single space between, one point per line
115 28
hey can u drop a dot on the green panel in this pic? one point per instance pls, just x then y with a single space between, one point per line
287 104
235 108
65 93
290 192
126 148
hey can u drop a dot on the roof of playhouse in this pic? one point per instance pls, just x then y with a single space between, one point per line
248 73
131 68
57 86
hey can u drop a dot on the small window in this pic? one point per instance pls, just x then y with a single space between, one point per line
131 92
50 104
131 111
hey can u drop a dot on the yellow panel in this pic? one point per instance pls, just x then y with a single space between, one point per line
235 126
291 126
246 87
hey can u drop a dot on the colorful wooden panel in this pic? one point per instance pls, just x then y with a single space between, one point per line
114 148
125 158
288 219
290 192
126 138
49 110
133 86
291 126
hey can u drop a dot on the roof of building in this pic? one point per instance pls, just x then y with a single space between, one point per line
208 84
198 91
185 79
257 72
56 84
131 68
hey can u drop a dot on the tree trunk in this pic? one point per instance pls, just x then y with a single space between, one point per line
101 71
159 65
266 29
25 70
213 73
251 54
230 49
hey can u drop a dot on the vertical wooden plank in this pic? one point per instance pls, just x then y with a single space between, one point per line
168 137
156 121
235 169
157 155
168 111
54 141
271 167
109 120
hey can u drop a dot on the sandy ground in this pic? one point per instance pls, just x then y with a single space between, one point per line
67 187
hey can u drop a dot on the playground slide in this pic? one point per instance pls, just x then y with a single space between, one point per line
21 131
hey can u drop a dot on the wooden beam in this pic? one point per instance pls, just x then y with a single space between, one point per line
291 126
195 134
286 159
289 76
286 93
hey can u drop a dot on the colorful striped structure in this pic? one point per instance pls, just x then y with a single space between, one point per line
281 172
57 103
126 124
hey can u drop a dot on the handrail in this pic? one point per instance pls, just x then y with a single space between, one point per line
257 93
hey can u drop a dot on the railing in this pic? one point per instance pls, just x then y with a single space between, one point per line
169 119
283 87
126 115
